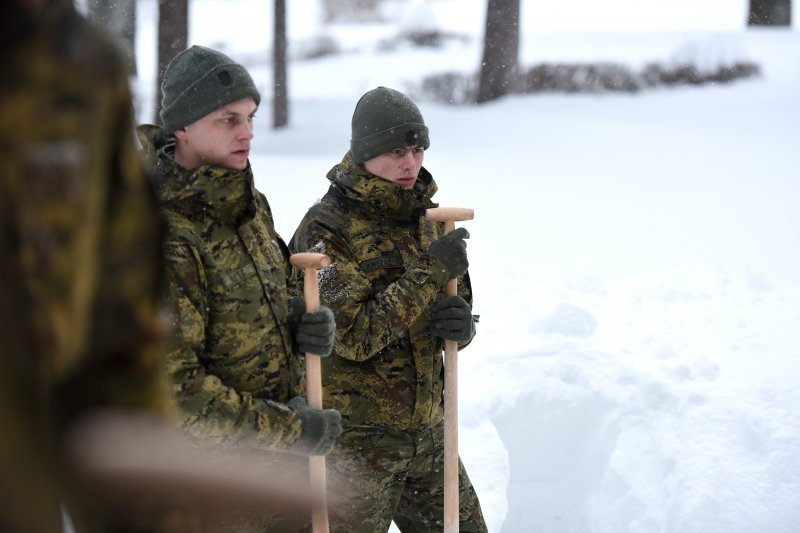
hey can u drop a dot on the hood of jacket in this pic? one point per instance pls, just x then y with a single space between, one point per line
218 192
372 196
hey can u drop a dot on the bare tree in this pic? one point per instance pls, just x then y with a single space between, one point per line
500 65
119 18
280 96
173 36
770 13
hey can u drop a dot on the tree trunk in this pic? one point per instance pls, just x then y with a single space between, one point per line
770 13
173 35
500 64
119 19
280 98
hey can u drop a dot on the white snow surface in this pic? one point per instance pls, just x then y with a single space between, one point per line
634 257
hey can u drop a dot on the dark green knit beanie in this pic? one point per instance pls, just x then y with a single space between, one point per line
385 119
201 80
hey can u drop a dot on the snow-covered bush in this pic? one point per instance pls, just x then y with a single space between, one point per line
459 88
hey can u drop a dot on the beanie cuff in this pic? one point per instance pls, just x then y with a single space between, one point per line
222 85
411 134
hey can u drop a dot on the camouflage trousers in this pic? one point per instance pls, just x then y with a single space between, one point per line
376 475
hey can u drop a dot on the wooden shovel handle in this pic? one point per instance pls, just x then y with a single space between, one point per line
310 262
449 215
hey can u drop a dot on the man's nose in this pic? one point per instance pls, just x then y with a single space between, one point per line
246 130
408 159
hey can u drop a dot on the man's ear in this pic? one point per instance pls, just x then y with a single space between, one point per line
181 134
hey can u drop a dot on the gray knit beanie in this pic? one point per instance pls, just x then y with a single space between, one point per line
201 80
385 119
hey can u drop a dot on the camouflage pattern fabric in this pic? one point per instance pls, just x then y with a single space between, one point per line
386 372
27 463
400 467
81 254
228 280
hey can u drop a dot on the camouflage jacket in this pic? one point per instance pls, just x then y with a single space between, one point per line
80 253
386 368
228 279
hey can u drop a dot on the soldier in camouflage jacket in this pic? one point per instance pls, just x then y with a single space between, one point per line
228 271
386 289
228 284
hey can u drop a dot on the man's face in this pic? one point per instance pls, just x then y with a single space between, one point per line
400 166
221 138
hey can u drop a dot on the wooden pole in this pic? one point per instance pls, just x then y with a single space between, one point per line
449 215
310 262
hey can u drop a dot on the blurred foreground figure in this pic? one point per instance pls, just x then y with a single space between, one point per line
80 260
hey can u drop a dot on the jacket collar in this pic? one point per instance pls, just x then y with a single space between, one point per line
378 198
219 192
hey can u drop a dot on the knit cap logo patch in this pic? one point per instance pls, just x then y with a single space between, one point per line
224 78
411 137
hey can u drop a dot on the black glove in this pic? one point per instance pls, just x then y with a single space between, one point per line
320 427
451 250
313 332
451 319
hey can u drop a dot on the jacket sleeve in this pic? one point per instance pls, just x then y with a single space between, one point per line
210 409
366 323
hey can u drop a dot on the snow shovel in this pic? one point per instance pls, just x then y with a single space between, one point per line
310 262
449 215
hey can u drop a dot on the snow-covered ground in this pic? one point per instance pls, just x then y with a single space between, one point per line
634 257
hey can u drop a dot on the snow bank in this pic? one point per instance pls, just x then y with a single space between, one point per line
656 406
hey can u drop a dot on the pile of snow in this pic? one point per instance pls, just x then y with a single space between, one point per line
660 404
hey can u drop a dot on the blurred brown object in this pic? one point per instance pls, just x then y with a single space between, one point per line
142 466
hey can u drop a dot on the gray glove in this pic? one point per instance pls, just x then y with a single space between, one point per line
451 250
451 319
320 427
313 332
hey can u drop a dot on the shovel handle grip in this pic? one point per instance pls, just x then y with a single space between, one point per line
452 214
